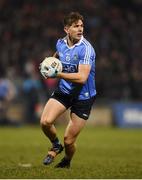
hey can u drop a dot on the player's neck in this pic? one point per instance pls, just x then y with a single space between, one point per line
71 42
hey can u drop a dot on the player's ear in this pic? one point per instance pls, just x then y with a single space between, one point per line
66 28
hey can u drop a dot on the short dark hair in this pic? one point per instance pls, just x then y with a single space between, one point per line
72 18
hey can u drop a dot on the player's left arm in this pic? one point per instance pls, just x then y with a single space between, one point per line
80 77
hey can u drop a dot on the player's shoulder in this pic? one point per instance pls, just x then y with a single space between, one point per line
61 40
86 43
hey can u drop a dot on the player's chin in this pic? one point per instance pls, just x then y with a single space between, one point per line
78 37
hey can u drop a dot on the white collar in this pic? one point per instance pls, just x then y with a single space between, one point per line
77 44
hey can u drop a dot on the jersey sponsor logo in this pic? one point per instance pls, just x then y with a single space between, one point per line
69 67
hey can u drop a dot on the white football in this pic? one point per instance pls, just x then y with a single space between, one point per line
51 62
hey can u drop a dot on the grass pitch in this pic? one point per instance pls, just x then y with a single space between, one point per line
101 153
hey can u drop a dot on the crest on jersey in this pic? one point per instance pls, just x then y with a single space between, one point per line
68 57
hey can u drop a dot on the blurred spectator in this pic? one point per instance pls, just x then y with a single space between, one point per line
31 88
7 94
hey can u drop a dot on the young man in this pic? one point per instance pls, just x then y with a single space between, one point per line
76 89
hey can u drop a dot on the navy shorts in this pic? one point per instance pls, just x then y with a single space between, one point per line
81 108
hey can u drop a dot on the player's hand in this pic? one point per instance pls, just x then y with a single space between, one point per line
48 72
52 72
44 73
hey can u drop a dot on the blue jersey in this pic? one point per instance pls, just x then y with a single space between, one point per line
81 53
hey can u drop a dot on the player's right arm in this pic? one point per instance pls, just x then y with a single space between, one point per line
56 55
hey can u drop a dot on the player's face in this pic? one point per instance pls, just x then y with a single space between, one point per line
75 31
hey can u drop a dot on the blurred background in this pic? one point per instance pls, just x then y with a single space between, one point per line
29 30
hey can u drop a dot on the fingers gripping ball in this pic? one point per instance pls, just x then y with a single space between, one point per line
50 67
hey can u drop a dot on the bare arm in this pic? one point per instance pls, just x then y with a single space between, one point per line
80 77
56 55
